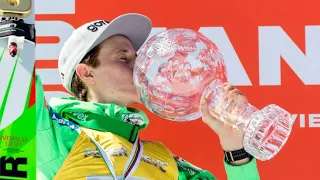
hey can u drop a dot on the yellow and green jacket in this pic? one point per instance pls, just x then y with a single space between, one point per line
79 140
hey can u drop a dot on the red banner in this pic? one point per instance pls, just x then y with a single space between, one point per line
272 54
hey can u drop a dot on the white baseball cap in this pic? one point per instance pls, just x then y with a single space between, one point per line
135 27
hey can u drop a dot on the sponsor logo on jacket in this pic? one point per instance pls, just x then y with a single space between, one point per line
122 151
135 119
56 117
80 116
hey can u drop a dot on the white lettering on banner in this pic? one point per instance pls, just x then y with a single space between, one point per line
52 28
274 43
235 71
49 76
312 119
59 29
155 31
51 94
55 6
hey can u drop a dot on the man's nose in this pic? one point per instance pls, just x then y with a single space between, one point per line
132 56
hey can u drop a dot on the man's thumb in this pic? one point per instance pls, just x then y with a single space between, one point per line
204 108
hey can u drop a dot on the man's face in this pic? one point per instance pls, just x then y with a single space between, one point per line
113 78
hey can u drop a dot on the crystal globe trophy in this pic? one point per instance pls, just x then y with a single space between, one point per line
176 67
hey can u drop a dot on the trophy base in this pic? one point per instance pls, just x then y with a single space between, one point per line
267 132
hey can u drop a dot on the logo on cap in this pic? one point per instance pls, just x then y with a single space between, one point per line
95 26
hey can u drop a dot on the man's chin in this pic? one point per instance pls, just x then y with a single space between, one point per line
136 102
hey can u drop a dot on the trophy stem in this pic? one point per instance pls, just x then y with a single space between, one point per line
234 113
266 130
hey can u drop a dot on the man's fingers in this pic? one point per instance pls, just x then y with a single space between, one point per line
237 95
208 116
205 110
236 91
228 127
233 92
228 87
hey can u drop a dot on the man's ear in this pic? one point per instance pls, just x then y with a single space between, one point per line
85 74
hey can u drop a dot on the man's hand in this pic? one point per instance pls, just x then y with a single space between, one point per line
230 138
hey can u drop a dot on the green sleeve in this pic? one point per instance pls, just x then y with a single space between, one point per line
43 120
54 137
188 171
243 172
